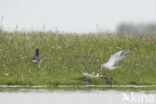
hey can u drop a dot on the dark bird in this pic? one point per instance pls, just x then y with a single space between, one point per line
37 58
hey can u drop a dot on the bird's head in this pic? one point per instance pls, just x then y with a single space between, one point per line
37 51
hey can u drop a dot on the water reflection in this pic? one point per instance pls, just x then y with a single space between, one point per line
77 97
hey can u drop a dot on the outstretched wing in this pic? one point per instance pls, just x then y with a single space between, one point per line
116 58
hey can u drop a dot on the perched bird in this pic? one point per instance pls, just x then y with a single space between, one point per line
109 65
37 58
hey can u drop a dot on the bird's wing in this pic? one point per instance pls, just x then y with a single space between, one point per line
88 75
116 58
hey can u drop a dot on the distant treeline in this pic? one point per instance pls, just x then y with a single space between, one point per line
141 28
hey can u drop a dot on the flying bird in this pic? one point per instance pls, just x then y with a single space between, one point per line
109 65
37 58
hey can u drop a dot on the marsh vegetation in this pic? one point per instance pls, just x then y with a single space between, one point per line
65 55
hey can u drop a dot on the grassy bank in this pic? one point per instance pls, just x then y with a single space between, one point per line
64 55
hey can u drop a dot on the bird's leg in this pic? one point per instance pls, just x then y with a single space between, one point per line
39 64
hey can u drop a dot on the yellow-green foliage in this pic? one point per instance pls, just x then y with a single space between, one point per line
65 55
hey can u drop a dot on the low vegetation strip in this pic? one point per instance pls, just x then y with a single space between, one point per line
65 55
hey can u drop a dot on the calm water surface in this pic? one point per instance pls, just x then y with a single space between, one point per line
77 97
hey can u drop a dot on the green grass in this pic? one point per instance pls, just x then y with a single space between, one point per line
64 55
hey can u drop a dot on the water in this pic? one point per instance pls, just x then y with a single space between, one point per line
77 97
